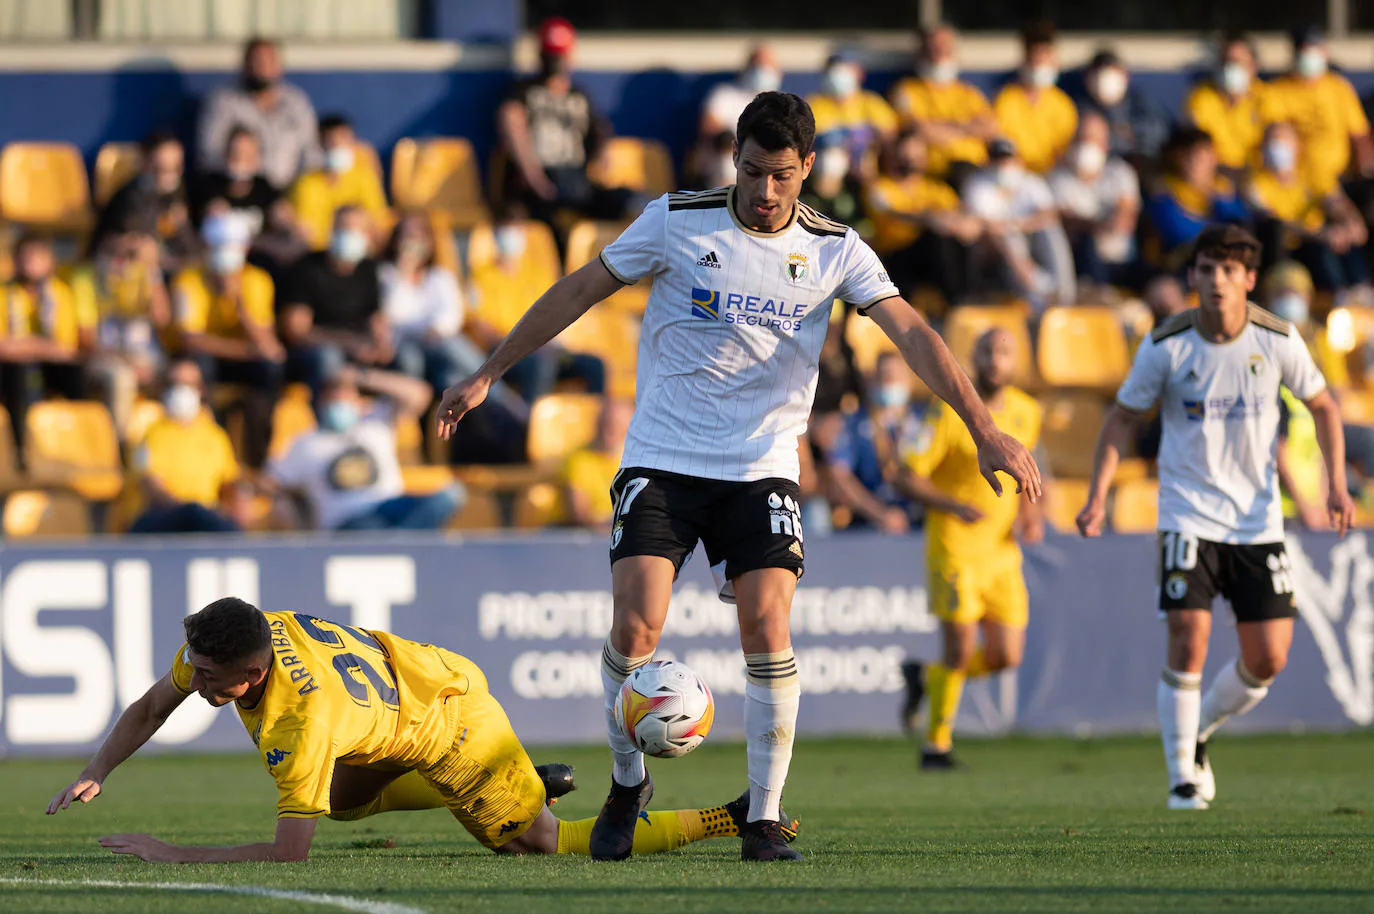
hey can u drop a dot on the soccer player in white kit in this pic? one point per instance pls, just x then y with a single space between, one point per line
1215 371
744 279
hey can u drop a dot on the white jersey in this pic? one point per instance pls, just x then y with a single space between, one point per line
1218 478
733 331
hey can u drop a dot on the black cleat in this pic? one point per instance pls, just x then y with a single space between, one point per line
558 781
739 812
765 840
939 761
613 834
914 673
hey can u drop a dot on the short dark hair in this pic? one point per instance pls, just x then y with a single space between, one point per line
333 122
258 41
777 121
1225 241
228 630
155 140
1035 34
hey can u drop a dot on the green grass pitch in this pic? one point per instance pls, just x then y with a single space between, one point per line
1034 825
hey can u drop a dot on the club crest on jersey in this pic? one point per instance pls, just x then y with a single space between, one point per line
706 304
797 266
1257 365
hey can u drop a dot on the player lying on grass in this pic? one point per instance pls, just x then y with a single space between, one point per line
351 723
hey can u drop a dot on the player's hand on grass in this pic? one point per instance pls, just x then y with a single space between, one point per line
1091 519
1005 453
466 395
144 847
83 789
1341 508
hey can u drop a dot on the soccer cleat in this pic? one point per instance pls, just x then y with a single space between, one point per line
1186 796
1206 780
939 761
558 781
739 812
764 840
914 675
613 833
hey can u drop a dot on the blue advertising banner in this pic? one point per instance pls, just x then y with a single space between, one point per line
85 629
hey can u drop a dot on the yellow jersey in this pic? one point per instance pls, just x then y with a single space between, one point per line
336 693
858 122
590 472
1291 202
945 454
198 308
1326 113
890 198
500 297
1041 128
316 196
1305 466
916 99
191 460
1236 126
51 313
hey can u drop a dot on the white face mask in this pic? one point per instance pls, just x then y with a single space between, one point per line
1235 78
761 79
339 159
1280 156
1089 158
1290 306
842 81
1110 85
943 73
348 245
1311 63
1008 173
227 259
1041 76
833 162
510 242
181 402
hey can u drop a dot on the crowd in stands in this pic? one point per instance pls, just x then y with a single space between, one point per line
266 329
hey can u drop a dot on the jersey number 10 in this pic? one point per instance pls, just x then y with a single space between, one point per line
350 666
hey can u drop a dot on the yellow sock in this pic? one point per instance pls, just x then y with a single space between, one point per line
944 687
977 665
409 791
655 832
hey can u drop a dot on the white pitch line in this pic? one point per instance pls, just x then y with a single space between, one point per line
343 902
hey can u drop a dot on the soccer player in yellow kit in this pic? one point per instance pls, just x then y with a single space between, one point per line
975 578
350 723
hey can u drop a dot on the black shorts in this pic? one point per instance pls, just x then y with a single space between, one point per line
1256 579
744 525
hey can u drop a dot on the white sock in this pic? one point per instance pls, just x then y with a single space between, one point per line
627 761
1232 693
772 695
1180 699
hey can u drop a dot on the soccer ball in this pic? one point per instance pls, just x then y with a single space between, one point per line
665 709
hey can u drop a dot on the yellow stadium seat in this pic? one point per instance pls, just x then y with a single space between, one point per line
439 173
425 479
639 164
585 241
44 184
1357 406
145 413
9 461
366 153
33 513
964 325
612 335
292 417
1064 498
410 440
1135 507
560 424
481 511
115 165
1082 347
73 445
1068 432
538 506
540 248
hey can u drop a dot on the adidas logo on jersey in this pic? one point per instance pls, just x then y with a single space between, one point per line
1191 377
710 260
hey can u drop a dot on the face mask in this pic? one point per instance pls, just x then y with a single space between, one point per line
1089 158
890 395
339 159
833 162
348 245
1008 174
339 416
761 79
240 174
841 81
1290 306
181 402
943 73
1311 63
1280 156
1042 76
510 242
226 259
1110 84
1235 78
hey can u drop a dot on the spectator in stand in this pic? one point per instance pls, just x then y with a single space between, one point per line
1324 232
1229 105
1287 291
347 179
185 466
588 472
348 469
1022 237
834 190
1189 195
1138 125
920 231
273 110
155 202
953 116
713 161
1098 195
1164 296
241 188
850 116
1324 108
1032 111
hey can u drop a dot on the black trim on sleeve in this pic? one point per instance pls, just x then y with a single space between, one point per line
864 309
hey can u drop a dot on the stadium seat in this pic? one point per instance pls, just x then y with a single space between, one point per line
145 413
115 165
560 424
1082 347
34 513
1064 498
291 417
44 184
1068 432
540 247
639 164
481 511
367 154
439 173
614 336
1357 406
425 479
585 241
410 440
1135 506
73 445
966 324
10 477
538 506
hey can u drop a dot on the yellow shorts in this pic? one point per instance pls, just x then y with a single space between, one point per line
969 593
486 778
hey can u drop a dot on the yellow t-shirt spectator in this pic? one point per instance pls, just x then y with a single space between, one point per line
198 309
916 100
500 298
590 472
193 461
1235 126
52 313
1041 129
890 198
1291 201
857 120
1326 113
316 196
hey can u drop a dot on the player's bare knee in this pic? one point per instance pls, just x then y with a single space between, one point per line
1265 666
765 631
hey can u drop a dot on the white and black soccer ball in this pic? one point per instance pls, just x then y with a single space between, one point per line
665 709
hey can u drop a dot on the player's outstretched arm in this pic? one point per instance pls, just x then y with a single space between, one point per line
1117 430
931 359
1326 414
134 728
292 845
556 310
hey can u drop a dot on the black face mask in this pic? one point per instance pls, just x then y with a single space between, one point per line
257 84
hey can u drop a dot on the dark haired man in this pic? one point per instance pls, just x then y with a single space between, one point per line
1216 370
744 279
351 723
154 202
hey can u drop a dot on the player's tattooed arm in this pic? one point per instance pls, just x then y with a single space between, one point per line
1118 430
